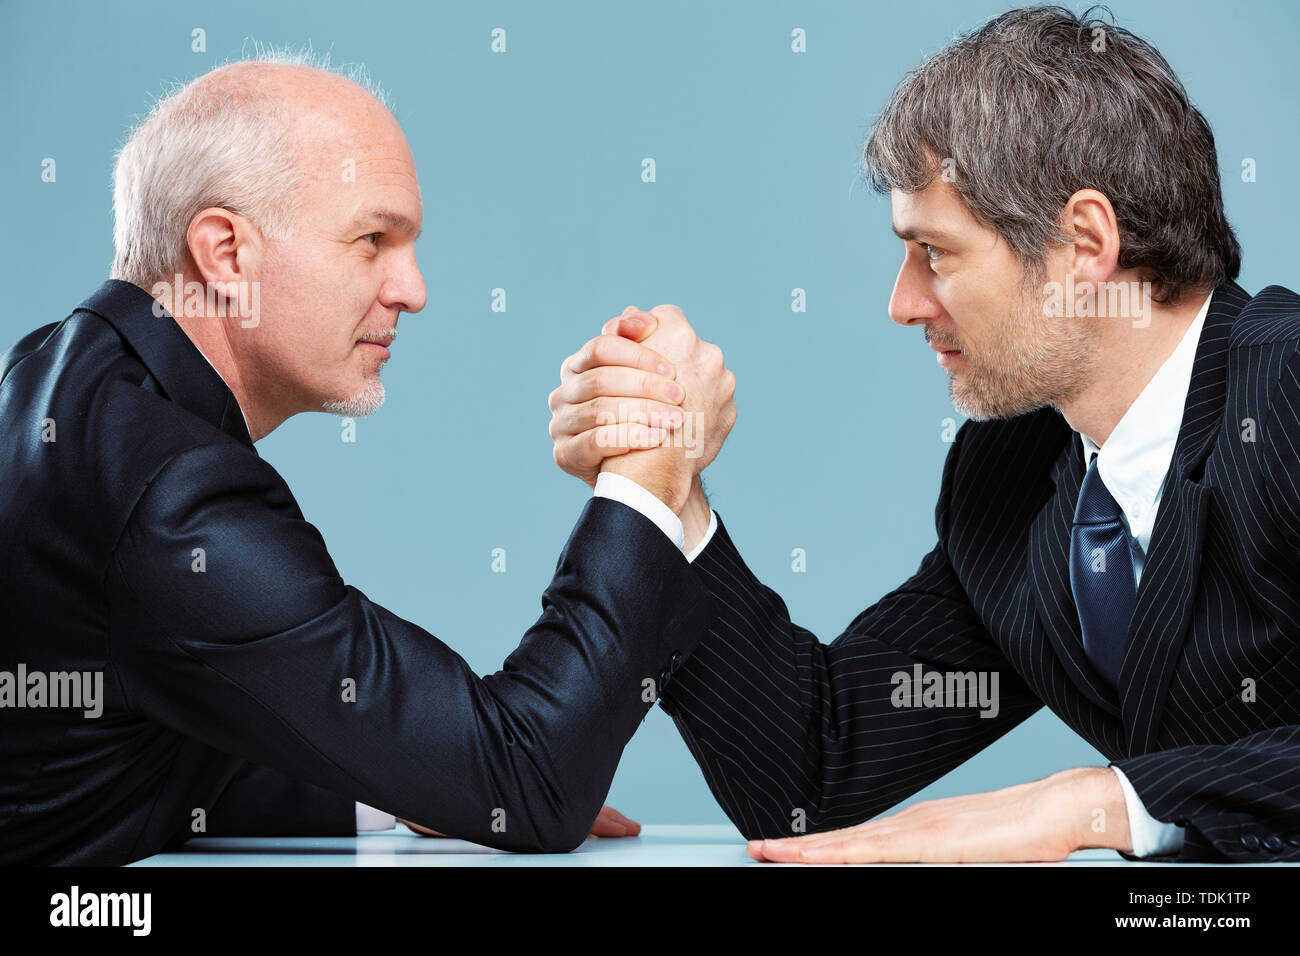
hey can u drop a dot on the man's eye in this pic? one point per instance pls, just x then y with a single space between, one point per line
373 237
932 252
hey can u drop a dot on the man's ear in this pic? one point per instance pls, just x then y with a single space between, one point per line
225 248
1090 220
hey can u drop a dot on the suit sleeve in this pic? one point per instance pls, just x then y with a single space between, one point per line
262 801
232 625
798 736
1240 801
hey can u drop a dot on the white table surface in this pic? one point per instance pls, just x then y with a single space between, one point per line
657 845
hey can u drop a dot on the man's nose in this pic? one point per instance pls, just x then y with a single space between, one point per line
404 288
912 301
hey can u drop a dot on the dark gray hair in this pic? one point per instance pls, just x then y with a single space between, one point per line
1038 104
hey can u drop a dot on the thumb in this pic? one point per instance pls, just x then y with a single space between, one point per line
632 324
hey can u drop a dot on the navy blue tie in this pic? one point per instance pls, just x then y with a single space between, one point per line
1101 575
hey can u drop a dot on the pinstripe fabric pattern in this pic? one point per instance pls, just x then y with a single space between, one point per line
785 727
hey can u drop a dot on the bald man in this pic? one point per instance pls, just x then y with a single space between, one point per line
179 655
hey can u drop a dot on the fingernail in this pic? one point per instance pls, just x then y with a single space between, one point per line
667 371
673 419
633 323
675 392
630 308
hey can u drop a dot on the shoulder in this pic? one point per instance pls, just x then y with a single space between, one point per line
1008 449
89 428
1270 318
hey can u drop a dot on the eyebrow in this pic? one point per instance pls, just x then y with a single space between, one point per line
387 218
921 235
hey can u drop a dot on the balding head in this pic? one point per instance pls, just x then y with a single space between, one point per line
242 137
292 183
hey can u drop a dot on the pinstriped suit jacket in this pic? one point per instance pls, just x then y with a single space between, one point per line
780 722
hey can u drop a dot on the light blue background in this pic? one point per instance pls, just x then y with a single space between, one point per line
530 166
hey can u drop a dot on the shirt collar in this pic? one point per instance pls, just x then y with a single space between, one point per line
232 391
168 353
1135 458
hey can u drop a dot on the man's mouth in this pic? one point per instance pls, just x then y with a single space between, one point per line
381 340
945 356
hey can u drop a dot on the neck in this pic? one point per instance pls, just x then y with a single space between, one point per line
1127 357
210 331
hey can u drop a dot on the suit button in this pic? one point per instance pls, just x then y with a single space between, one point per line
1293 839
666 675
1273 843
1250 841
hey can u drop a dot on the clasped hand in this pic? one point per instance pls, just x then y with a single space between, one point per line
646 399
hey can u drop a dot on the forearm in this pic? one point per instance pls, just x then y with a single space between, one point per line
695 515
791 732
315 680
1239 800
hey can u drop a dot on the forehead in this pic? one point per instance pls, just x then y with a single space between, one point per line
361 167
934 213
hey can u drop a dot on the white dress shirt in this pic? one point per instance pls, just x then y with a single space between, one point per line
1133 464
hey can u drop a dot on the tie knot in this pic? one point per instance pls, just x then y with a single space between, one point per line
1096 504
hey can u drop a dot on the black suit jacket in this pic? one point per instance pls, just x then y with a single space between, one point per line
232 679
781 723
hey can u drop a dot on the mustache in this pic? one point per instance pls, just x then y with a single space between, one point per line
940 339
382 336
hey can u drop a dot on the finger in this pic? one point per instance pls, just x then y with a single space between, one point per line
583 453
616 350
795 851
607 828
615 381
633 324
611 327
575 419
825 836
610 823
423 831
633 828
875 850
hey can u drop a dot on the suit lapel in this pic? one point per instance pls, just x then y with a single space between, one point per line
1167 591
177 364
1049 573
1169 576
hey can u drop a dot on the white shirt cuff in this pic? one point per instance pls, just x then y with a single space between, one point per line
619 488
368 818
704 542
1149 835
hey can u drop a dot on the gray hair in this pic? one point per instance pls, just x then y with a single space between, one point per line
200 147
1038 104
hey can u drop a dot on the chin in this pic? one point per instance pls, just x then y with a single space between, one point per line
364 402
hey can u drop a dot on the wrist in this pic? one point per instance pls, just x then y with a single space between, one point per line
695 515
1094 803
673 490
